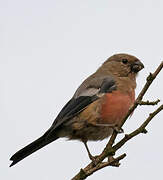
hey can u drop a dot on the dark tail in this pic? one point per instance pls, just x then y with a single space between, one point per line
31 148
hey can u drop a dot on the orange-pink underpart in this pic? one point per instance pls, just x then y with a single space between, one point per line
115 106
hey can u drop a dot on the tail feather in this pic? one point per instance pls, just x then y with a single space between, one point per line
31 148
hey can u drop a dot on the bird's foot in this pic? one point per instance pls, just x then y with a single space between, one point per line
93 159
118 129
114 126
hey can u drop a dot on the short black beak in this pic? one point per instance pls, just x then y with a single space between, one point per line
137 66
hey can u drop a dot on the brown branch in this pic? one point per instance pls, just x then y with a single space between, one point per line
83 174
90 169
149 102
110 150
139 130
149 81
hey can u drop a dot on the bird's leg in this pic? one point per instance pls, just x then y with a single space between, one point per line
89 154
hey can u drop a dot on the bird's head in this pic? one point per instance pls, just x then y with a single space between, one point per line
122 65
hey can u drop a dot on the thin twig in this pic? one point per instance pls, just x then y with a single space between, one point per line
110 150
105 164
83 174
149 102
139 130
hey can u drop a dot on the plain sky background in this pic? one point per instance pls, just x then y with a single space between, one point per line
47 48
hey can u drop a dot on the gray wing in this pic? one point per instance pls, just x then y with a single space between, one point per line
85 95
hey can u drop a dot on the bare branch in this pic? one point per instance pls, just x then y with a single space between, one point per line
84 174
110 150
139 130
149 102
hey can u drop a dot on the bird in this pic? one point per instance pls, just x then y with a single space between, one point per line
97 107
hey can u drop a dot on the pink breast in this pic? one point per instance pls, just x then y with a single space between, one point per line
115 106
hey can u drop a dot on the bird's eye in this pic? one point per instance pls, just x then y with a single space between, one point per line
125 61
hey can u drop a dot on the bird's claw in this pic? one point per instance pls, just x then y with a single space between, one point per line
118 129
93 159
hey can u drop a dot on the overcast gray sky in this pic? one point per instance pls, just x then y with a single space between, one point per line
47 48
